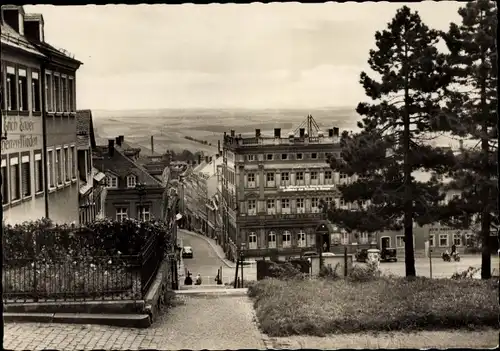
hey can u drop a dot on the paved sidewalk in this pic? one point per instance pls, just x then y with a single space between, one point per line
482 339
216 247
196 322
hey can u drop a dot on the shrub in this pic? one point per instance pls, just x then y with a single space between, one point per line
285 270
364 273
329 272
320 306
467 274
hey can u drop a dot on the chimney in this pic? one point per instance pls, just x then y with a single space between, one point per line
335 131
206 159
13 15
257 133
117 141
122 138
152 146
232 133
330 133
111 147
218 146
277 132
34 27
210 159
199 158
302 132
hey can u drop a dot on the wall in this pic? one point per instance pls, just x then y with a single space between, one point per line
130 199
63 204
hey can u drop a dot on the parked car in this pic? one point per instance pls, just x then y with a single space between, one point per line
187 252
388 254
309 254
361 255
327 254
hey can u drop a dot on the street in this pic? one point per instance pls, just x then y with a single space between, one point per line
205 260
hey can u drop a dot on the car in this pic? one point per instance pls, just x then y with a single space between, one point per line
327 254
361 255
187 252
388 254
310 254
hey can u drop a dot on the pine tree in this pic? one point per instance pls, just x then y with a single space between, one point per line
392 142
472 114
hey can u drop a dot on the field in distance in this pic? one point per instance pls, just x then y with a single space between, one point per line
169 127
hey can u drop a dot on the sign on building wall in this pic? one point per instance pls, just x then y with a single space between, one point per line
23 133
307 188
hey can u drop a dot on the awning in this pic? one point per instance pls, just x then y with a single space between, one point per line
85 189
99 176
178 216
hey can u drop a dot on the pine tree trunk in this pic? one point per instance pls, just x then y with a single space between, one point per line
408 201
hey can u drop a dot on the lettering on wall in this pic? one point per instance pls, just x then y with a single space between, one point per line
23 133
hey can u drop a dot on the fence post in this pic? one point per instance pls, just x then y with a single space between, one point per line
35 250
345 261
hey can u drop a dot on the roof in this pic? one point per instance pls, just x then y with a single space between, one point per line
13 39
84 129
210 168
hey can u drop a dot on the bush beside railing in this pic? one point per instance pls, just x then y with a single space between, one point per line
104 260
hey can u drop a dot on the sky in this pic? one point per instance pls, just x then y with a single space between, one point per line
280 55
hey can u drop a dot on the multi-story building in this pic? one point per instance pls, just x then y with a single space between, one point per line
272 187
92 182
39 174
198 188
131 192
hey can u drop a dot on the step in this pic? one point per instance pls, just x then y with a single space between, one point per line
117 320
201 287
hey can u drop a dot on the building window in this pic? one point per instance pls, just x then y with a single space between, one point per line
26 176
35 92
314 155
38 173
342 203
301 239
363 238
269 157
50 168
299 156
143 213
271 206
131 181
432 243
469 240
287 239
443 240
344 238
457 239
15 192
5 183
57 93
23 90
328 175
271 240
66 164
71 94
252 241
328 201
250 157
64 93
59 167
11 92
121 214
73 162
49 92
400 241
315 204
285 177
285 204
251 180
300 205
270 178
284 156
252 207
299 178
111 182
343 176
314 175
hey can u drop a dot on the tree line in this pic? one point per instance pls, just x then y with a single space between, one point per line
417 94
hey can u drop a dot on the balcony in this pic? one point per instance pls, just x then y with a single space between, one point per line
282 218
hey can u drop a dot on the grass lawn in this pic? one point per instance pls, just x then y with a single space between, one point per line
320 307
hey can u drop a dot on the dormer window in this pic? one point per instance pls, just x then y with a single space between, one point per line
131 181
111 182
